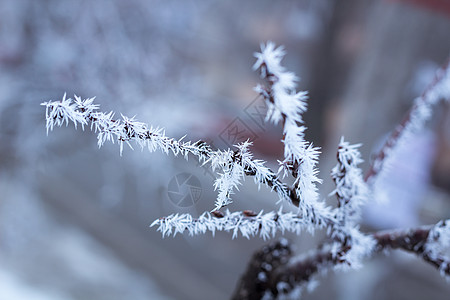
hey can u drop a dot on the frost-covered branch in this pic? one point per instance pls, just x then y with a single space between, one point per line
414 120
246 223
85 113
351 190
350 245
287 105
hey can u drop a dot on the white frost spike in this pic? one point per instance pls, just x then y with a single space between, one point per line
282 100
232 165
270 58
230 177
86 106
351 190
307 175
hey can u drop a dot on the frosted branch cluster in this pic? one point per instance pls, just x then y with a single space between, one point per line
304 210
287 105
231 166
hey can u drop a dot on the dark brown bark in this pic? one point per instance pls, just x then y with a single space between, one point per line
260 273
294 273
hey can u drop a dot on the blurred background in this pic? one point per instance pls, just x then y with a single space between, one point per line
74 219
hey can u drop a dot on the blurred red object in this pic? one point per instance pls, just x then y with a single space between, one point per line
442 6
